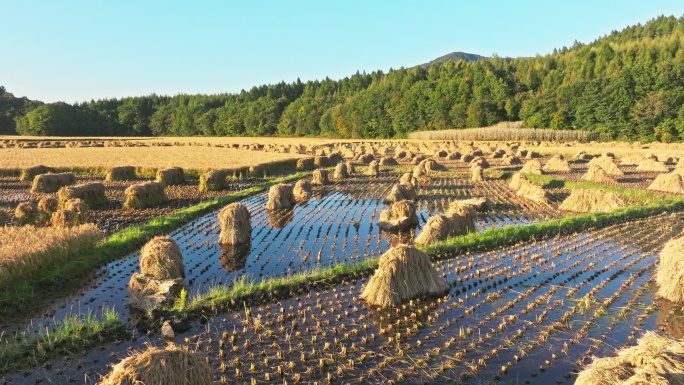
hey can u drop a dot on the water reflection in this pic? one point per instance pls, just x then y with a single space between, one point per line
279 218
234 257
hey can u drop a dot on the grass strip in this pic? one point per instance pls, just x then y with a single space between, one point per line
33 289
222 298
631 194
72 334
493 238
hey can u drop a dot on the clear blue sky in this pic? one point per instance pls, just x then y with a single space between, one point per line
81 50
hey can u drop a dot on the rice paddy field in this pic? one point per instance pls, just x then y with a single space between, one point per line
534 294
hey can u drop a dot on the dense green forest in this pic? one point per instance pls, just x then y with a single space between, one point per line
628 85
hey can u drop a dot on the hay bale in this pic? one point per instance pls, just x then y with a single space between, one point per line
156 366
404 273
532 155
26 213
441 227
631 160
672 183
280 197
79 207
532 167
321 161
350 167
320 177
236 228
598 175
400 192
28 174
48 205
527 189
341 171
48 183
365 158
670 273
373 169
581 155
477 174
500 153
591 201
336 157
161 258
510 161
479 161
120 173
171 176
408 178
608 165
652 165
305 164
431 165
516 181
455 155
148 293
212 181
388 161
302 190
466 213
557 164
92 193
400 216
64 218
143 195
655 360
479 204
437 228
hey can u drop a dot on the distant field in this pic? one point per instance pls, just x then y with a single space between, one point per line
189 157
194 139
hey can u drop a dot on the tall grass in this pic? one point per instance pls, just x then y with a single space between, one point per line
506 131
26 249
71 334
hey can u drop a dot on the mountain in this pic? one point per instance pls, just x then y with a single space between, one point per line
454 57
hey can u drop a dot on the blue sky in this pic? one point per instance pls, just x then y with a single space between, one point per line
81 50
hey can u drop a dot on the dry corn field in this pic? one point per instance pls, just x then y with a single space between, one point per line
533 311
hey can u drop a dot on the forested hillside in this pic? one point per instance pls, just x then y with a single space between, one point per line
628 85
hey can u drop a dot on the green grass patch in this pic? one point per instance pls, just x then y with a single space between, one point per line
73 334
498 173
493 238
632 195
243 290
34 289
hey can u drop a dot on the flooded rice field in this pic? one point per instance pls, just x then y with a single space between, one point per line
533 313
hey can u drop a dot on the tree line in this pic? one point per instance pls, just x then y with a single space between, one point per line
628 85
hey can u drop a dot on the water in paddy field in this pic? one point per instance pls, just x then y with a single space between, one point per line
337 225
537 309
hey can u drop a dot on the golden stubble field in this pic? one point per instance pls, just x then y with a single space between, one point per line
189 157
202 153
